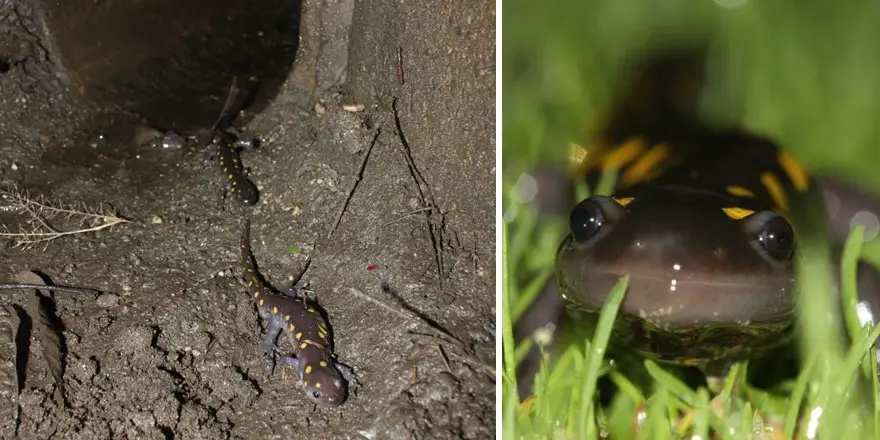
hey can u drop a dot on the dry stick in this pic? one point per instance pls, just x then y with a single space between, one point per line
414 211
468 358
405 316
354 184
231 96
424 195
45 287
435 333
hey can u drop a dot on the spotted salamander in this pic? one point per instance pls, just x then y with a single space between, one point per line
704 221
224 150
324 380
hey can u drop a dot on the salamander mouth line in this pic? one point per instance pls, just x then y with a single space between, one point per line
754 281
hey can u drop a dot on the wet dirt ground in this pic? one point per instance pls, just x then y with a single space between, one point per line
171 349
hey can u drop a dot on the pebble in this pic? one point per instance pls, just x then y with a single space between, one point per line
107 300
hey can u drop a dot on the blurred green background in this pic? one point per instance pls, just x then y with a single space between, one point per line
806 73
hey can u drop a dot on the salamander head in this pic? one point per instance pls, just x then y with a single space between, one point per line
696 266
323 384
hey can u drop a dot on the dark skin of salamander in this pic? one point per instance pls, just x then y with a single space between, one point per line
704 221
224 150
704 235
324 380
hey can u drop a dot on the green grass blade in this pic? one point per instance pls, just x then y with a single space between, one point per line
510 399
848 278
596 353
672 383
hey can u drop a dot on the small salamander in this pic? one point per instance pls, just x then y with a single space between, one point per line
324 380
224 149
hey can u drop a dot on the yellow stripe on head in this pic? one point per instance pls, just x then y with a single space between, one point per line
623 201
624 153
798 175
740 191
774 188
737 213
645 165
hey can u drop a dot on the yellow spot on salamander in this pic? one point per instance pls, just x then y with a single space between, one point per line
322 328
287 317
323 363
739 191
623 201
737 213
318 385
303 345
796 172
774 188
291 328
261 302
308 369
274 310
299 336
646 164
624 153
256 293
311 310
322 335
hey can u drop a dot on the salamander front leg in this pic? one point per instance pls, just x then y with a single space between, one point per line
245 144
347 374
210 158
270 342
294 291
294 362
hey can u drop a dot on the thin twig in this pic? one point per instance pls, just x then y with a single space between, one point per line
414 211
403 315
357 179
435 233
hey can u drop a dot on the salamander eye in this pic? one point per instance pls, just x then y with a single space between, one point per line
316 394
774 235
590 216
777 238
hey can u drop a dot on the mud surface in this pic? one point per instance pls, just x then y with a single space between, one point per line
172 349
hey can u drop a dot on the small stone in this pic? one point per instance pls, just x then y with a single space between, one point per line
156 220
107 300
320 109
